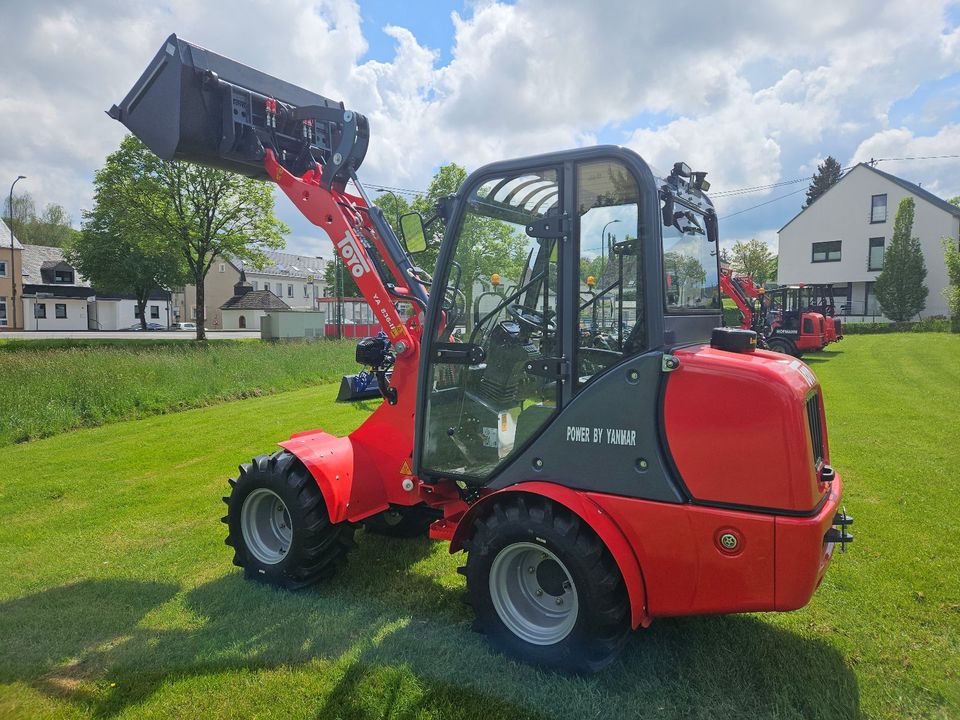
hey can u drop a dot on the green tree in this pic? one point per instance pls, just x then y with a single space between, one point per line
900 289
193 211
446 182
685 271
827 175
117 250
951 256
53 227
349 285
487 246
754 258
113 259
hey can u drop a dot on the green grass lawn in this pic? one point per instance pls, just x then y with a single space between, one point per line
117 597
60 385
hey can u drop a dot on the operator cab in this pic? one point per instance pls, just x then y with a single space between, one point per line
557 269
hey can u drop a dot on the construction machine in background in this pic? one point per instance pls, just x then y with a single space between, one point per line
593 488
782 317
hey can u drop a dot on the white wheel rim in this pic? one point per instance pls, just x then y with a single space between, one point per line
266 527
533 593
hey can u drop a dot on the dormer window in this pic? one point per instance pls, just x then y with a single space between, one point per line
64 277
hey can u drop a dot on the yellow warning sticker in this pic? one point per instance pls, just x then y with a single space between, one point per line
405 468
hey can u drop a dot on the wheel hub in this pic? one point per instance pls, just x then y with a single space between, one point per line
533 593
266 527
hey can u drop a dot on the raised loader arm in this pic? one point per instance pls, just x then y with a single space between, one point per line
195 105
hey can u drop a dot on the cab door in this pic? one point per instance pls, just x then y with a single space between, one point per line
493 364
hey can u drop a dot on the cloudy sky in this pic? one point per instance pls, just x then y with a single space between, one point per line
755 93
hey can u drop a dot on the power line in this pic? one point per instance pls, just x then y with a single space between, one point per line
754 207
388 188
759 188
782 183
922 157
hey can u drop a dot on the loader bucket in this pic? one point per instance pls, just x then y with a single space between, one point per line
192 104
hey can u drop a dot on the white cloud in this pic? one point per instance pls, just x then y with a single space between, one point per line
524 78
939 176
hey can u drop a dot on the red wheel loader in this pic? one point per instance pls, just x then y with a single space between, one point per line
593 488
780 318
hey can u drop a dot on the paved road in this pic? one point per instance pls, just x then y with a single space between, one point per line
128 335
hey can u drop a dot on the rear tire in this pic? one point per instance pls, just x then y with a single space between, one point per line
278 524
402 522
544 587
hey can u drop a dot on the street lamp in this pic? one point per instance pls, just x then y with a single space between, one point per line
603 242
13 275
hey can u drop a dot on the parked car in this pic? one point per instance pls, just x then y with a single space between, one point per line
184 326
150 326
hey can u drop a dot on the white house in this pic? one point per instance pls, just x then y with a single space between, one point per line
57 297
840 238
247 306
297 279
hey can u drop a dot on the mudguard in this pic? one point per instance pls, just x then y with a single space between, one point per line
330 460
594 516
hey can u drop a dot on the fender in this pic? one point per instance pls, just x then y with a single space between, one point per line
330 460
595 517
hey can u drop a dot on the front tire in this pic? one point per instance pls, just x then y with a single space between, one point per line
544 587
278 524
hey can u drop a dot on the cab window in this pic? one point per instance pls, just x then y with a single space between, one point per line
500 313
610 312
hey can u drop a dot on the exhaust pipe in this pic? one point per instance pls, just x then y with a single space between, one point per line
195 105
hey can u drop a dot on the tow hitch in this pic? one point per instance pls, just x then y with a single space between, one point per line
838 533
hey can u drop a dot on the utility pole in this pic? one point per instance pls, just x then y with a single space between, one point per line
13 275
339 298
603 243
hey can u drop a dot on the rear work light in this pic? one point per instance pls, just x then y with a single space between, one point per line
192 104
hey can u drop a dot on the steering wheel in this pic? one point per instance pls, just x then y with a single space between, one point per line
530 320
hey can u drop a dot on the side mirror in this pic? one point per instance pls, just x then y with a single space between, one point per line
413 233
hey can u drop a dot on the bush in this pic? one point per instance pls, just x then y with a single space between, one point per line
937 323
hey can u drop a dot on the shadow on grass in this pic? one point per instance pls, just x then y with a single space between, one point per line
812 358
382 650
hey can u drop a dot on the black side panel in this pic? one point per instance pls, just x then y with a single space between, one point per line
605 440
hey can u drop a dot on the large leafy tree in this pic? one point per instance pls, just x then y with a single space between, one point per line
900 289
115 262
194 212
117 250
754 258
827 175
